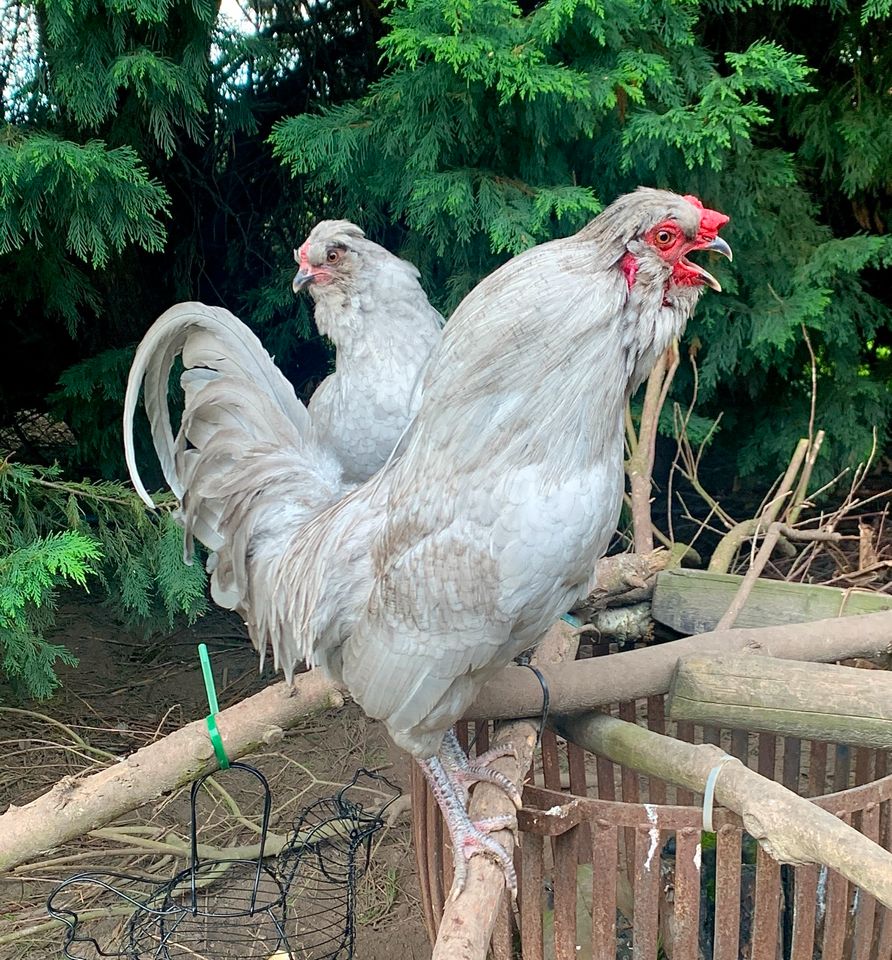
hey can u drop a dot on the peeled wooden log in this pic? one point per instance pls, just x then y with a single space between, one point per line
789 828
813 701
468 921
694 601
585 684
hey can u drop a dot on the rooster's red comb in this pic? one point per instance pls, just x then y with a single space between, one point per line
711 221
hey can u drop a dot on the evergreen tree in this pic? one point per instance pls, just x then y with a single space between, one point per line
498 125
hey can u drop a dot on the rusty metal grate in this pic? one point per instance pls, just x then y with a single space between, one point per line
613 864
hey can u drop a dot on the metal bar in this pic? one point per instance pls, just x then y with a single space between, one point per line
533 860
805 887
439 858
687 893
502 943
863 765
419 810
841 767
712 735
792 763
645 928
481 736
740 745
866 905
767 754
836 912
817 769
565 892
579 788
727 894
604 877
629 789
684 731
656 721
551 770
766 910
461 731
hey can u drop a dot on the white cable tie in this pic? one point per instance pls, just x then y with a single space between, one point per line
709 792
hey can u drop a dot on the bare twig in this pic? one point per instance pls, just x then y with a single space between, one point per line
639 466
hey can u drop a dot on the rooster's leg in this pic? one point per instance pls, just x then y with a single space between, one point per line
466 772
468 837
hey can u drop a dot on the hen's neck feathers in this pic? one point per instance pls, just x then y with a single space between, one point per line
351 315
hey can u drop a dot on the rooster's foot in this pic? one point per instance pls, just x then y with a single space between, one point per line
465 772
469 838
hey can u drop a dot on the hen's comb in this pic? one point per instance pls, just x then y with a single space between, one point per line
711 221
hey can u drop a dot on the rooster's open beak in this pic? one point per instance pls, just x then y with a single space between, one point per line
717 246
301 279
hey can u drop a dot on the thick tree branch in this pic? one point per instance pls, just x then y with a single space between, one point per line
581 686
468 921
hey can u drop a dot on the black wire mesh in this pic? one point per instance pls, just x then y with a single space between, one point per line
301 906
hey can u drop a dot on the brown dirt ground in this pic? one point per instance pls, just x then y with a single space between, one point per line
128 691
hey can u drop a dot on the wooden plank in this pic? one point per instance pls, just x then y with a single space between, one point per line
814 701
693 601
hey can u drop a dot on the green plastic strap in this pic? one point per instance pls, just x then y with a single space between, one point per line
216 739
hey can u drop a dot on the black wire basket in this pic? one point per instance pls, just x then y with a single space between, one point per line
300 906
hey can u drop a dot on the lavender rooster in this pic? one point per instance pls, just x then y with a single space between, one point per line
417 586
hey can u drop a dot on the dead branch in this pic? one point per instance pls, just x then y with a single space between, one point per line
624 578
724 553
468 921
639 467
789 828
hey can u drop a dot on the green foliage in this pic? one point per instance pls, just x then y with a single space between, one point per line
28 579
54 531
138 167
498 126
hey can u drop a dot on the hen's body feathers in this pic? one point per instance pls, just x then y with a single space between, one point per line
370 304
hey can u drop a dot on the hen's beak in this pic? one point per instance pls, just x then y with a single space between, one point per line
301 279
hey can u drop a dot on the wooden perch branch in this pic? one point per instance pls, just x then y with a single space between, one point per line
74 806
813 701
581 686
791 829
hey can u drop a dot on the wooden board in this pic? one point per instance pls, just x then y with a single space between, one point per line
693 601
812 701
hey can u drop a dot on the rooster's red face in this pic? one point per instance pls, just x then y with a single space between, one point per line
670 241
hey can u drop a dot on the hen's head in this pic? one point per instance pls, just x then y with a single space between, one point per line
329 257
654 231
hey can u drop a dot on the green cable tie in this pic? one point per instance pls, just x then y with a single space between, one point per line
216 739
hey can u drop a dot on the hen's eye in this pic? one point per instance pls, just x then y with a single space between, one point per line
333 256
664 237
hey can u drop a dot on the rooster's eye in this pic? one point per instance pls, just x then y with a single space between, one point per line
333 256
664 238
